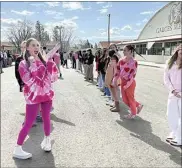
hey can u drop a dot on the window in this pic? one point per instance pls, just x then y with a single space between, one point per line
167 49
170 47
156 49
141 49
173 47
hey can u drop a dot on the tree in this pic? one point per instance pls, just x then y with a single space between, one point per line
95 46
19 32
65 36
40 34
55 34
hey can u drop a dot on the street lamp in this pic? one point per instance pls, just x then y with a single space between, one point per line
60 27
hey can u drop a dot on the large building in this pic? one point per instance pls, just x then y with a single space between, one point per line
160 36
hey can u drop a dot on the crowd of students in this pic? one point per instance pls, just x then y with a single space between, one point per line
116 75
5 60
36 70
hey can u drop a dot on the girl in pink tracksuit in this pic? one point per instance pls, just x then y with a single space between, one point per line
172 80
38 75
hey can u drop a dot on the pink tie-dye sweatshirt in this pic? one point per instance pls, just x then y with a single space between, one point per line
38 80
126 71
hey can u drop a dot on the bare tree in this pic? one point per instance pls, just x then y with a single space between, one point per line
40 34
19 32
64 36
55 32
95 46
84 44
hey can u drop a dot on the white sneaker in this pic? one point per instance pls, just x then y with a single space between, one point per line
46 144
110 103
20 154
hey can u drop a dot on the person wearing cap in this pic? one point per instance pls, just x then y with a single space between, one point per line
172 80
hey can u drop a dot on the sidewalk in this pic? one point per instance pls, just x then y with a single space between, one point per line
151 64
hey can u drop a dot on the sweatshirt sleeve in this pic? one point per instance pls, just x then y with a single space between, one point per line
52 70
51 53
28 75
167 80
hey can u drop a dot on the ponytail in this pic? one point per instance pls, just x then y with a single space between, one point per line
130 47
41 58
138 53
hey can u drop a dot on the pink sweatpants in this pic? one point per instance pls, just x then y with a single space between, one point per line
31 113
128 97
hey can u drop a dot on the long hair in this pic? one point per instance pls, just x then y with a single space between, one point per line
114 46
80 53
27 54
132 49
174 58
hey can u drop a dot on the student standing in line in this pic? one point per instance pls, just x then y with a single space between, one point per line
172 80
126 71
89 74
17 62
57 60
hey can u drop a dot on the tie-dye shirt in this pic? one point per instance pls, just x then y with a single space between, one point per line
126 70
38 80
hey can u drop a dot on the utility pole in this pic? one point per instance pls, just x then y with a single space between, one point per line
109 15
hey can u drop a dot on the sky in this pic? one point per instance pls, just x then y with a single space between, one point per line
89 20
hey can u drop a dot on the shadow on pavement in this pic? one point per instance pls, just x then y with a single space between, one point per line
92 83
142 130
32 145
56 119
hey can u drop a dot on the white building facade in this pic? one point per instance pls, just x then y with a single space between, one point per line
161 34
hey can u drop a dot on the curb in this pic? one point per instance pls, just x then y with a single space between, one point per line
155 66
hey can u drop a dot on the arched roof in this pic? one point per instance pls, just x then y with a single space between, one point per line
160 25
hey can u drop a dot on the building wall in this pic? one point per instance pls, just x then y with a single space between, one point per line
166 22
150 58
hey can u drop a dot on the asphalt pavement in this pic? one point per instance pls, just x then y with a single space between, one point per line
84 131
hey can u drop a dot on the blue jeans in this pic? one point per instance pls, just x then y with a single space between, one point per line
106 89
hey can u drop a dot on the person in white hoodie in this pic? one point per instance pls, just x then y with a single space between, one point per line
172 80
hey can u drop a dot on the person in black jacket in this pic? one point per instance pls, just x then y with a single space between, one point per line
84 60
80 58
90 65
17 62
101 67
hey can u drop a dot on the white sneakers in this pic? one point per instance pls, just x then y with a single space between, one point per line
46 144
20 154
110 103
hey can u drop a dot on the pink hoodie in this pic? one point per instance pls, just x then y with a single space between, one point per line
38 81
